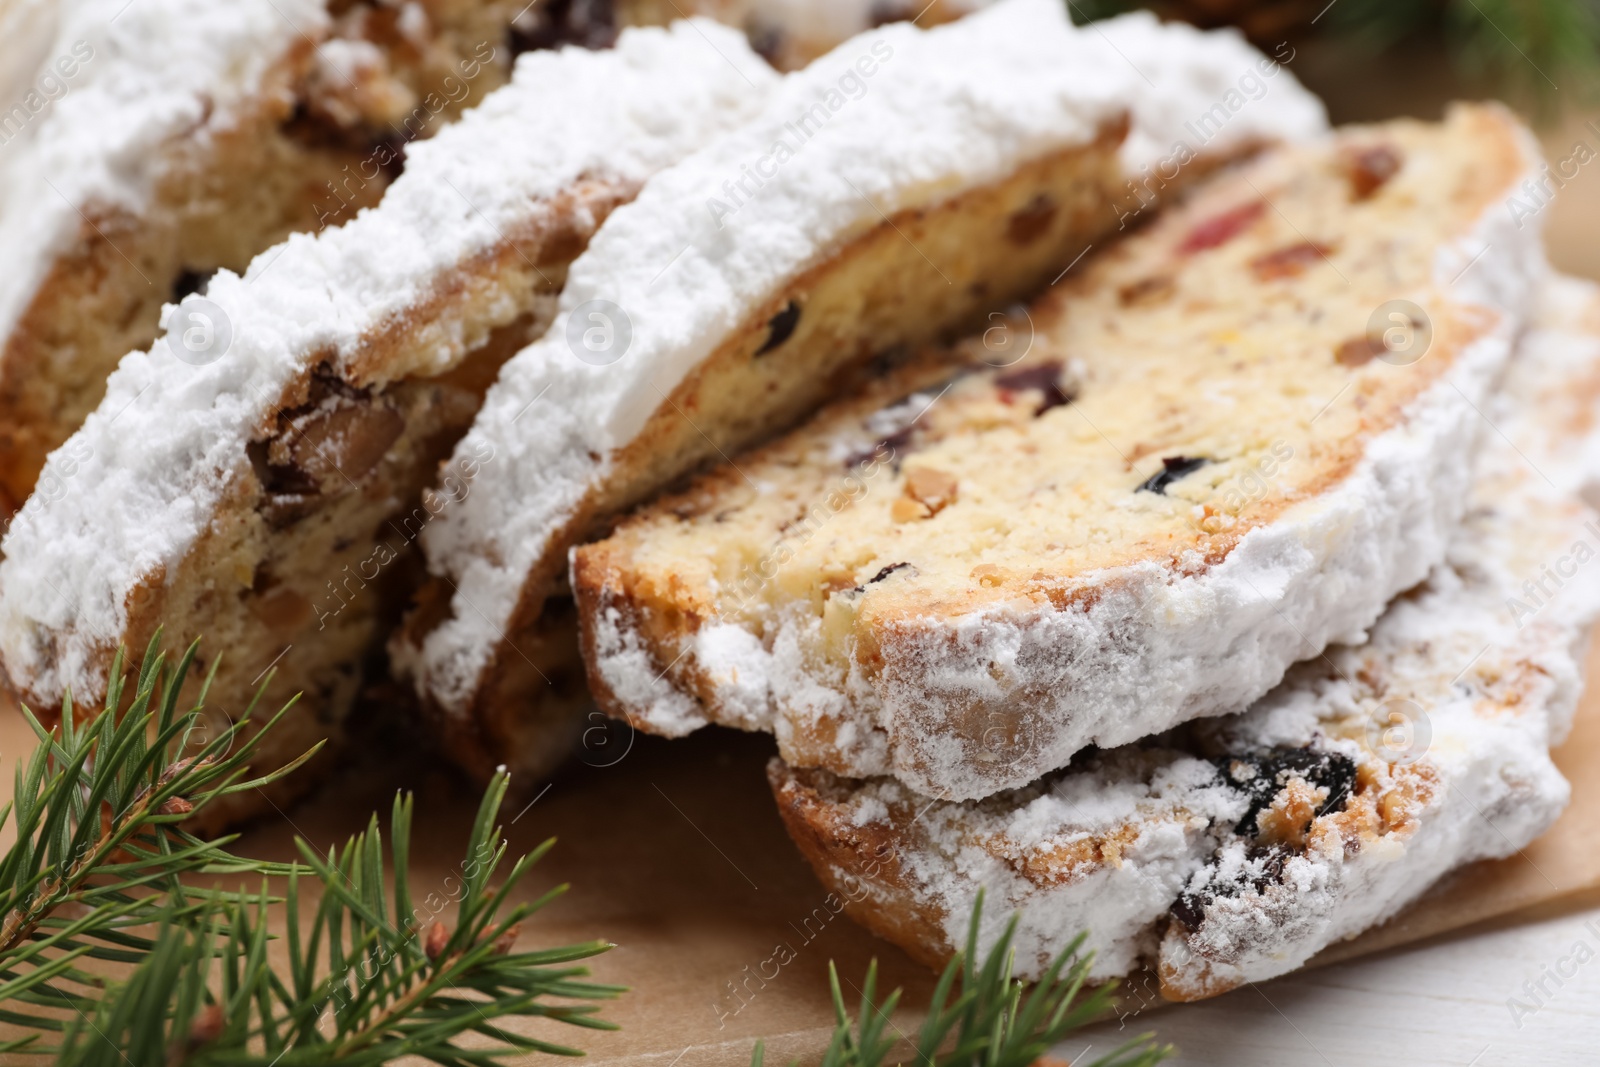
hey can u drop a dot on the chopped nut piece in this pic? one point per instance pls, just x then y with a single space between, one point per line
282 609
907 510
989 575
344 443
931 487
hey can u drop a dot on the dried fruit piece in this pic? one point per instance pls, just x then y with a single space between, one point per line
1370 168
931 487
1172 469
780 327
1358 351
1290 262
890 569
1044 378
1220 229
1149 290
1031 222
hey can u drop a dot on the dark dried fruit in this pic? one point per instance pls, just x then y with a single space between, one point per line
1031 222
887 448
1172 469
1358 351
1044 378
1262 777
1370 168
1290 262
890 569
780 327
587 23
189 282
1263 867
1220 229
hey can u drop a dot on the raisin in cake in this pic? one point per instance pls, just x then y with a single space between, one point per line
264 493
1205 466
906 185
1233 850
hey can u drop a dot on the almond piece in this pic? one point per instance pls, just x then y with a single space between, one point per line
931 487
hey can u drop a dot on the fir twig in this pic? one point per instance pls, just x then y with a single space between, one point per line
995 1020
365 985
101 876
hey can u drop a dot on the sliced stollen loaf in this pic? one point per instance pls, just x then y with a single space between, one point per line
261 486
899 188
162 140
1233 850
1206 467
154 143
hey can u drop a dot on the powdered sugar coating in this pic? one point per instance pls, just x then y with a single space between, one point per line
144 73
146 473
1486 683
944 110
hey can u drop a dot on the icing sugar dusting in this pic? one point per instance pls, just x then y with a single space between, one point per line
151 467
892 118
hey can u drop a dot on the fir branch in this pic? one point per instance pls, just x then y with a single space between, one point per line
103 874
365 986
996 1020
99 855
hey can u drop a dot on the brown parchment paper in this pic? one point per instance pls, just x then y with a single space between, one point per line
674 852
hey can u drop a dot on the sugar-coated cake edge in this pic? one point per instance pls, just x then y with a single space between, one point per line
1144 832
145 475
686 260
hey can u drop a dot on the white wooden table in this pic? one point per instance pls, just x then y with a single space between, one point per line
1446 1003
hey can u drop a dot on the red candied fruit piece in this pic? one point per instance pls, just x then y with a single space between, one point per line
1220 229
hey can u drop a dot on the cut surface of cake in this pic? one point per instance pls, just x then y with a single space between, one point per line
1222 445
256 478
1233 850
906 186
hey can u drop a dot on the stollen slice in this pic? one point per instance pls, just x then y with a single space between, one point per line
906 186
256 477
1234 850
148 145
157 142
1226 443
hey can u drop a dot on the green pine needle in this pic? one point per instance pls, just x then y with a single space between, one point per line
996 1020
111 952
